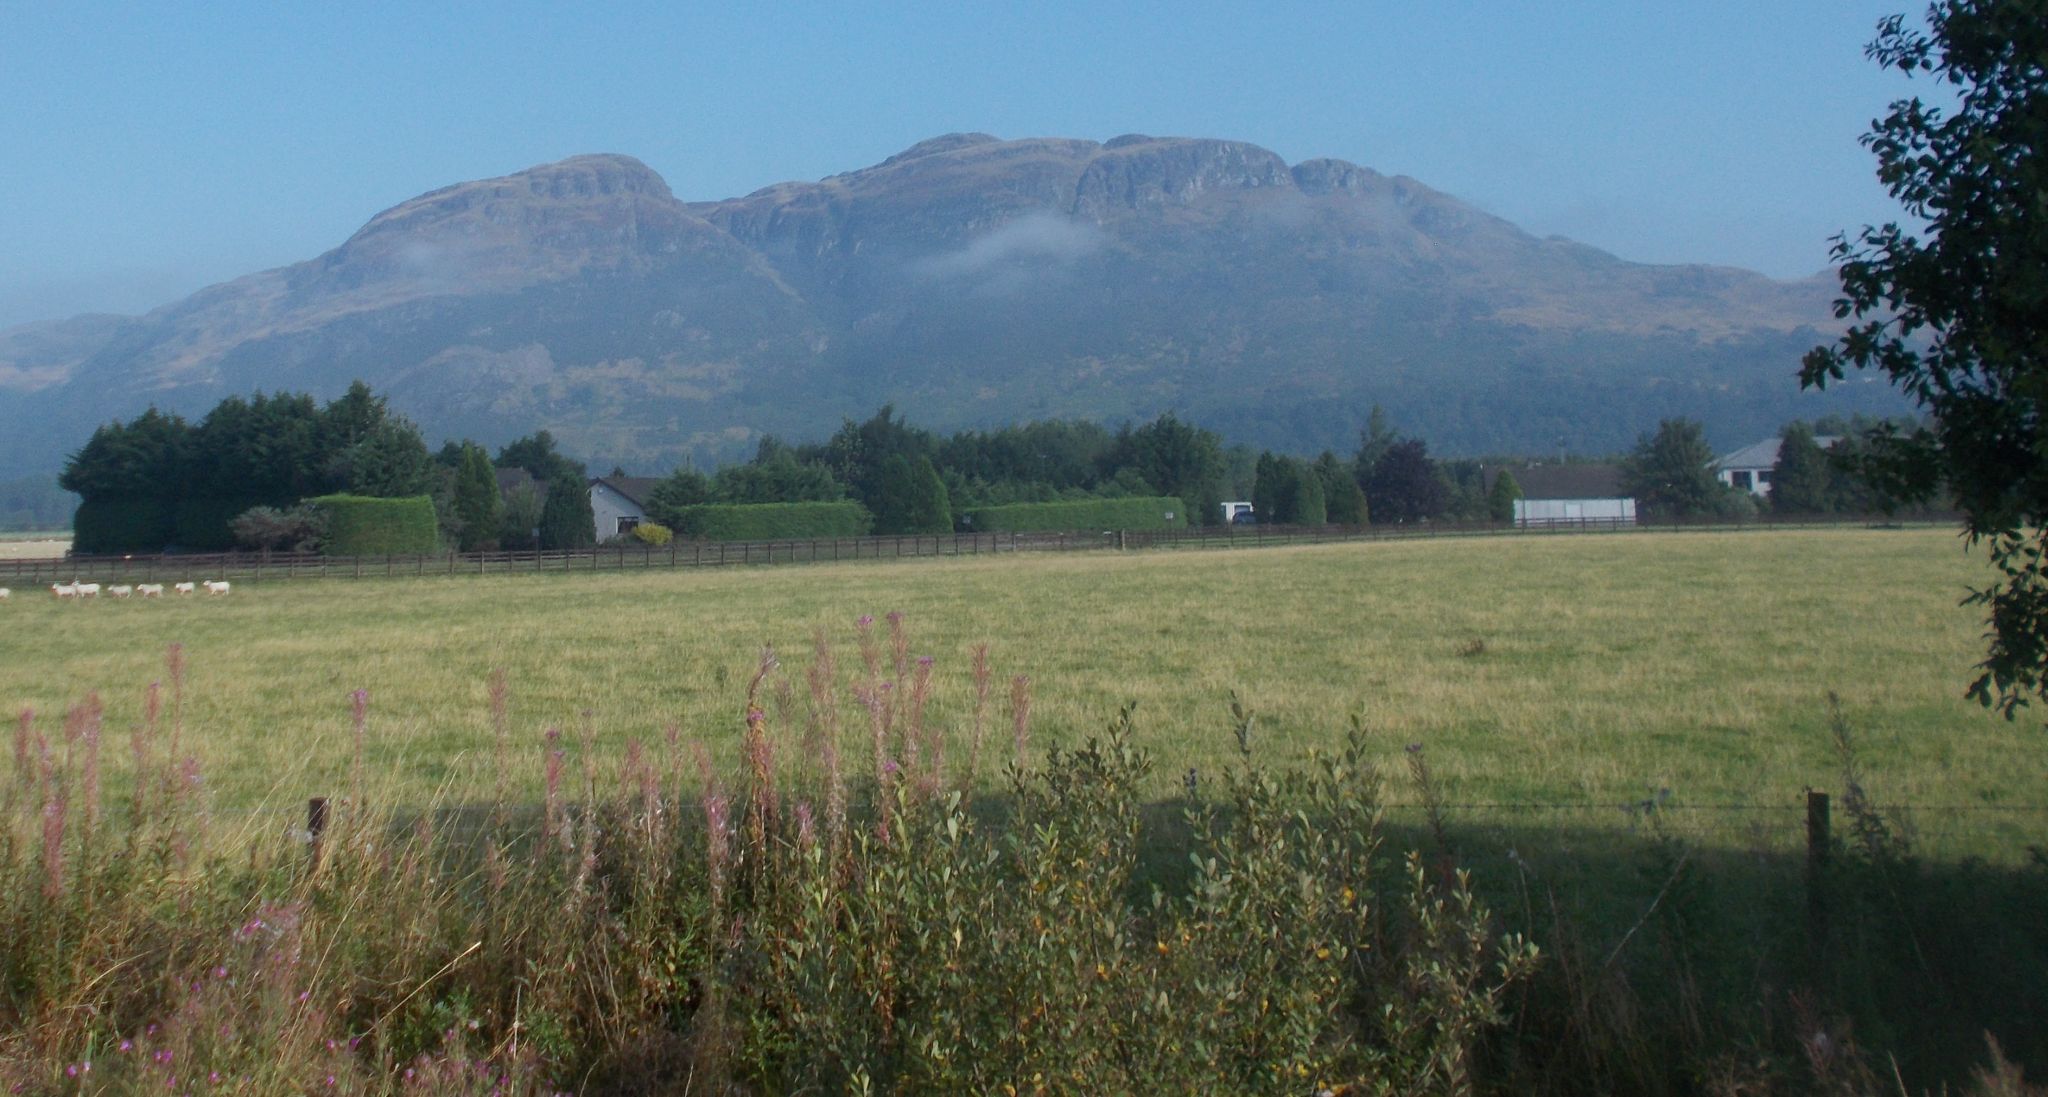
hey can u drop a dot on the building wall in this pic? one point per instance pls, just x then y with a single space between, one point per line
607 507
1557 512
1756 481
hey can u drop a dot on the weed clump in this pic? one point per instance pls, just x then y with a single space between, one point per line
785 929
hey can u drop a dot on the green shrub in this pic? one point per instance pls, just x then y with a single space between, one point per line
358 525
771 521
1141 512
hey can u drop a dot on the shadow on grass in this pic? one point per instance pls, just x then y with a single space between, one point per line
1676 967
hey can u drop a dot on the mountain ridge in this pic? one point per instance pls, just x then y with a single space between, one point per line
969 279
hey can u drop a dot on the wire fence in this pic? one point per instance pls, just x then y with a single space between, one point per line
267 567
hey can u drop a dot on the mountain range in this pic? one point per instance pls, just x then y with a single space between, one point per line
970 281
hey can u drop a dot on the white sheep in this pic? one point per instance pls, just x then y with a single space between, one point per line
86 590
121 591
183 588
216 586
150 590
5 594
64 590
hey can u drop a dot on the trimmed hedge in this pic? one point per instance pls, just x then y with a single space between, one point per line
771 521
358 525
122 523
1137 512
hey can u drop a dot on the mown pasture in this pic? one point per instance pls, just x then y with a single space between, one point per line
1562 675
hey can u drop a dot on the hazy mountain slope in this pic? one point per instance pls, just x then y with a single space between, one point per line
971 281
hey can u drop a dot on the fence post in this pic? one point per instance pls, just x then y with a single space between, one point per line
1819 846
316 827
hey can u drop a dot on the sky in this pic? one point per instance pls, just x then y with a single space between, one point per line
148 150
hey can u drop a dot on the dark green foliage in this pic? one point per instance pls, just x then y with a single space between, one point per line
1801 481
123 523
931 510
1085 515
685 487
203 523
1670 474
769 521
911 498
389 461
144 457
1343 500
566 520
260 451
520 518
779 478
1405 486
476 505
1176 459
1373 443
861 456
1303 495
358 525
1500 499
1060 454
536 454
265 448
1957 318
1268 477
1347 506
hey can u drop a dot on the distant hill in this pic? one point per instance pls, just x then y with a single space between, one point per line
971 281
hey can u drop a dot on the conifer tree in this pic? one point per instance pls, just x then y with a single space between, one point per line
1500 499
566 521
476 500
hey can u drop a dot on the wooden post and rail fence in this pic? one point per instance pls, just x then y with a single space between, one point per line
260 567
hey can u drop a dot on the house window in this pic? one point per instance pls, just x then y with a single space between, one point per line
1740 478
626 524
1763 477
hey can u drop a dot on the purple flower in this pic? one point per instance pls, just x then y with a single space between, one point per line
866 622
925 661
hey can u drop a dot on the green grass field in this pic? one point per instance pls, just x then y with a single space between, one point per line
1611 666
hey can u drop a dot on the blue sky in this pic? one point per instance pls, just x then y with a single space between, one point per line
150 149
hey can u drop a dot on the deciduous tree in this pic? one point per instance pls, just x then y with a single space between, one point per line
1956 313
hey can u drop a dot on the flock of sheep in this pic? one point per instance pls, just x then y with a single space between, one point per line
77 589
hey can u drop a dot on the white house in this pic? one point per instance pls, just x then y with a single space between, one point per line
618 503
1749 468
1570 495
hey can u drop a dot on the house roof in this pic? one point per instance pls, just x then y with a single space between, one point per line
1572 481
635 488
1764 454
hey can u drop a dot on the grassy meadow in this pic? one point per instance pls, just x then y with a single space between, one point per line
500 906
1565 675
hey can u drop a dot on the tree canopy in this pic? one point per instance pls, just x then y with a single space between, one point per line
1670 473
1404 485
1956 314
